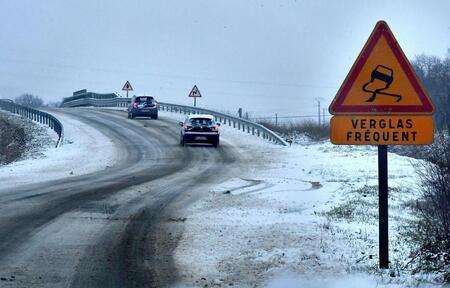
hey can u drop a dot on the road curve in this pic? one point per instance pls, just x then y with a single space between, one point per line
105 229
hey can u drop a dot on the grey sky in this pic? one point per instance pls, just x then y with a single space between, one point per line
264 56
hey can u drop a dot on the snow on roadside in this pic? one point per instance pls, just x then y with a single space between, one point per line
84 150
302 216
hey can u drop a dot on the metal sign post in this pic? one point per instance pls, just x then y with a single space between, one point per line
383 225
382 102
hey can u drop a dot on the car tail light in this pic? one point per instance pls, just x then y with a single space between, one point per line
135 105
188 127
214 128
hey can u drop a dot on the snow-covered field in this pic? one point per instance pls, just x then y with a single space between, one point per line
303 216
84 150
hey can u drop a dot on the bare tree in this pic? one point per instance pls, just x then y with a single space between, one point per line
434 73
29 100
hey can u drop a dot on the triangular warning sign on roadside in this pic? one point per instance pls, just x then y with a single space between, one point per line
195 92
127 87
381 81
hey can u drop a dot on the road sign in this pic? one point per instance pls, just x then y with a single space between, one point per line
381 130
381 81
379 103
127 87
195 92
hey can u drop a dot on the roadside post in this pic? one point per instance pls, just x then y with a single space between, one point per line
195 93
381 102
127 87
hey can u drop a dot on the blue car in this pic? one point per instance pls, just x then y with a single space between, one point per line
143 106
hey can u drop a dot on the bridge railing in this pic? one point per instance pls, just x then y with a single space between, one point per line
226 119
35 115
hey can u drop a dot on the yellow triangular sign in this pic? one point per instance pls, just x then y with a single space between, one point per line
382 81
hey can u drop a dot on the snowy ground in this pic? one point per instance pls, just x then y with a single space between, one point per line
303 216
84 150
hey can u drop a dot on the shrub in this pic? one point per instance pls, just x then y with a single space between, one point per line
431 231
12 141
308 127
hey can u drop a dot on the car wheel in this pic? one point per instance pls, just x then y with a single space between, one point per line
216 142
132 116
129 116
155 117
182 141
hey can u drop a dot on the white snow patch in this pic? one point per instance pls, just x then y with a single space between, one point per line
84 151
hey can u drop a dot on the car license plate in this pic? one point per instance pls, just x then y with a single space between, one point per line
145 110
200 138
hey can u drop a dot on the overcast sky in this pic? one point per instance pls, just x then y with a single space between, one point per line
264 56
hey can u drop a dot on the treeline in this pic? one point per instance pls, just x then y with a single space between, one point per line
34 101
29 100
434 72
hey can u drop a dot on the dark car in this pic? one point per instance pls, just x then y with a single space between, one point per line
199 129
143 106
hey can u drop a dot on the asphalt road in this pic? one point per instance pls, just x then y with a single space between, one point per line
107 229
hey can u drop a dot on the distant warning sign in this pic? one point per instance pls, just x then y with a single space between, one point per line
381 81
127 87
195 92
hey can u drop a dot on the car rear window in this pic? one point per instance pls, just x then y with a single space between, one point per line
141 100
201 121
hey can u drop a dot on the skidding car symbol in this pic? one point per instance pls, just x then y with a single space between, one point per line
380 80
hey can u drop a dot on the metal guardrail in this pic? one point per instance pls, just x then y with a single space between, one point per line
236 122
35 115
